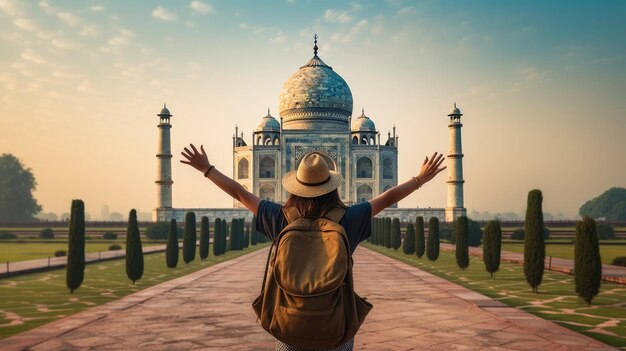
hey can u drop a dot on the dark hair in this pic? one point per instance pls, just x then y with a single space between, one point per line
315 207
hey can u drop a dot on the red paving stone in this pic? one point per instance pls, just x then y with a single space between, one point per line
210 310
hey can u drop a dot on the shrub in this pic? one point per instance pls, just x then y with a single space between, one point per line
7 235
109 236
75 269
605 231
189 239
134 251
396 235
420 244
446 232
408 245
160 231
534 246
619 261
171 249
474 233
518 234
60 253
587 263
47 233
204 237
115 247
432 244
461 234
492 246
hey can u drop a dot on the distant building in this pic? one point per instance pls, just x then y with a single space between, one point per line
315 110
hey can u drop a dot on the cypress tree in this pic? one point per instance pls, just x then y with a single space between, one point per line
204 238
246 237
420 245
408 245
233 237
75 269
492 244
171 251
189 238
396 235
461 233
134 252
226 235
380 231
587 263
374 231
534 246
217 230
432 244
253 235
387 232
242 234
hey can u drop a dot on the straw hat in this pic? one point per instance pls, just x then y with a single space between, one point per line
312 179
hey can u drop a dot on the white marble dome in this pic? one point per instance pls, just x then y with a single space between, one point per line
268 123
315 97
363 124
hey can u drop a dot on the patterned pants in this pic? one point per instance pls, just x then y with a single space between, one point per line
280 346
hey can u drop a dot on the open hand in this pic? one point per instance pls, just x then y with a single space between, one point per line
430 168
196 159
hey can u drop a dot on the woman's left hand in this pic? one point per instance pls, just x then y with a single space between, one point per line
430 168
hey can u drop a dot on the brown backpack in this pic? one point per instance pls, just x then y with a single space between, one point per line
309 299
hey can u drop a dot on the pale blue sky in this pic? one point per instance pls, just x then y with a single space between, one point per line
541 85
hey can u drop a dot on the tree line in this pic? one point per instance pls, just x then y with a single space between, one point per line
386 232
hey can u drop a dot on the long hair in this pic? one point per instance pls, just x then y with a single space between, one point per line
315 207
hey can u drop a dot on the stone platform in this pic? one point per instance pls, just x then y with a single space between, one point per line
210 310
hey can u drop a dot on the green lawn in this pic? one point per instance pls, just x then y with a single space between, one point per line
607 252
34 299
556 300
21 250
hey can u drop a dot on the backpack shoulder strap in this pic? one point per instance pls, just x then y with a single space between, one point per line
291 214
335 214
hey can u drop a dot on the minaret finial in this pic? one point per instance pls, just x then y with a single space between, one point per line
455 104
164 105
362 111
268 111
315 47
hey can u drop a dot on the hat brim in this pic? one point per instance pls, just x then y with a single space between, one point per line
291 184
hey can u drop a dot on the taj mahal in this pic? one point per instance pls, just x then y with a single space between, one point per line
316 116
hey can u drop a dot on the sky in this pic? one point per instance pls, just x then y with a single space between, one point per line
541 85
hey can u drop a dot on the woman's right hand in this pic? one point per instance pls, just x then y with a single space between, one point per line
196 159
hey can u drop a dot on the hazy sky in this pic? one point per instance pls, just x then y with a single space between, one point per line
541 83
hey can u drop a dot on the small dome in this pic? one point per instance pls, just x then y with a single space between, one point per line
164 111
455 111
268 123
363 124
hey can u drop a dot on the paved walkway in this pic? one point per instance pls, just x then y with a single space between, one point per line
42 264
210 310
610 273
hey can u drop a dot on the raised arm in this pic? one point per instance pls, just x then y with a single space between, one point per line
200 161
430 168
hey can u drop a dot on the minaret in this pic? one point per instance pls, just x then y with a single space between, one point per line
164 155
455 207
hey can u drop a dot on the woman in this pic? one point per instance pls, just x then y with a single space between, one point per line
313 193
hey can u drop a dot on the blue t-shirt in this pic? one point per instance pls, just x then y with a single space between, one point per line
357 221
